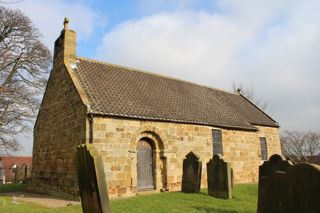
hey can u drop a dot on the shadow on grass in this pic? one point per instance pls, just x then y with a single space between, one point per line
212 210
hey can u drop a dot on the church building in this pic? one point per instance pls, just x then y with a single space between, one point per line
143 125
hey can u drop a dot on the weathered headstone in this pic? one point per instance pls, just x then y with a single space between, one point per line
219 178
294 189
272 193
275 163
91 180
191 177
273 184
304 188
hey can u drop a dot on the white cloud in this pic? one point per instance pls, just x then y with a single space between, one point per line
272 45
48 16
195 46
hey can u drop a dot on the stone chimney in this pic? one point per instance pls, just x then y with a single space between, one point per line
65 46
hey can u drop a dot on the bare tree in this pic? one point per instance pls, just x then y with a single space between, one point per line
301 146
249 93
312 147
24 67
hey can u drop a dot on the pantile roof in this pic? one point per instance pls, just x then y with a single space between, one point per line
116 90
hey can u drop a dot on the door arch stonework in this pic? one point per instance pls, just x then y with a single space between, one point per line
159 158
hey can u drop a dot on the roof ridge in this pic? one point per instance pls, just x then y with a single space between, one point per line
155 74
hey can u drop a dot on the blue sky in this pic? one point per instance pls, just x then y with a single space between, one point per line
114 12
271 45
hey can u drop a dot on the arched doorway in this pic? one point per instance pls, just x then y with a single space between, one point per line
145 165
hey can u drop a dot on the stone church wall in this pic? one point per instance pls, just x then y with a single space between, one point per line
117 139
60 127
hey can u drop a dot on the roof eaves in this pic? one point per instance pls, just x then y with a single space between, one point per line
252 128
266 125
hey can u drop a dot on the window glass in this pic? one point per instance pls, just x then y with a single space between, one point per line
263 145
217 142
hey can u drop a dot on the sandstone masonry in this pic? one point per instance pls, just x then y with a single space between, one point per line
117 141
65 120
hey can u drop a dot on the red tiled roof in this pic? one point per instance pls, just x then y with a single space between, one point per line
9 161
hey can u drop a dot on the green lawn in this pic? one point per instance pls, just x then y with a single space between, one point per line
244 200
14 187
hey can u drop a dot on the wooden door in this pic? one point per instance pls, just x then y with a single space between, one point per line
144 166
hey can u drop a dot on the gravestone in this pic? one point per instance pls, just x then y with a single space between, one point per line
304 188
219 178
273 184
191 177
275 163
272 193
92 180
294 189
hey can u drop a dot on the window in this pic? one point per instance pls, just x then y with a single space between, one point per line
263 145
217 142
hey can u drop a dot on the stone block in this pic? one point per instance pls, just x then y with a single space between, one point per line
122 190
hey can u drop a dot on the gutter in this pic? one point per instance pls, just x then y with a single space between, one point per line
90 115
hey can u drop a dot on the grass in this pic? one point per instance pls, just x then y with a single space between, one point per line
244 200
13 187
25 207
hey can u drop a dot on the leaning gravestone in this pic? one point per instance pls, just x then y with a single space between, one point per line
92 180
191 177
219 178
